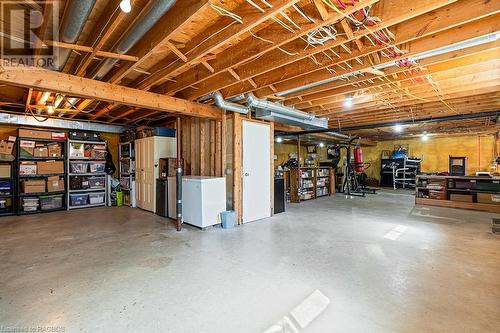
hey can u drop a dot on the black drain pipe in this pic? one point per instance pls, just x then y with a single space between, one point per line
178 174
426 120
488 114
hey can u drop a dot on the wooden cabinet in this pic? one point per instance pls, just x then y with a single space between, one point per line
477 193
148 152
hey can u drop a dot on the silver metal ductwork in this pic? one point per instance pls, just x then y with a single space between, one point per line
20 119
72 25
266 110
284 114
135 33
229 106
313 123
256 103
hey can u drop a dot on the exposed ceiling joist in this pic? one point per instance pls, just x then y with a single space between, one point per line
103 91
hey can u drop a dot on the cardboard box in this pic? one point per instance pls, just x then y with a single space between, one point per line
5 171
36 134
50 167
33 186
6 147
488 198
55 184
41 152
437 195
7 157
27 168
58 135
461 197
54 150
27 148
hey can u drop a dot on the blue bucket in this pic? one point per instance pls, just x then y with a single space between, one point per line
228 219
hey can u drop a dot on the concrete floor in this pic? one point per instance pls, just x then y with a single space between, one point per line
384 265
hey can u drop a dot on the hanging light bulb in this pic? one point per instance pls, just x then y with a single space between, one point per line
125 6
50 109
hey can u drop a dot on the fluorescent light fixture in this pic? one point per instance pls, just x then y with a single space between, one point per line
398 128
125 6
279 139
50 109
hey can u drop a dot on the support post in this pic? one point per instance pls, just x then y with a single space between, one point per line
178 174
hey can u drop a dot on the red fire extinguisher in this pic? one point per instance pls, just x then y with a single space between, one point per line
359 166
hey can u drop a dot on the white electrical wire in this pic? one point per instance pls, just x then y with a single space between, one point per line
322 35
255 5
260 38
297 8
224 12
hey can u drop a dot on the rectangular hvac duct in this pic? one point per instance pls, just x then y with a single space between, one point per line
315 123
14 119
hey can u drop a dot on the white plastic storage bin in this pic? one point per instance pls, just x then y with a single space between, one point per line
79 167
96 198
79 199
97 167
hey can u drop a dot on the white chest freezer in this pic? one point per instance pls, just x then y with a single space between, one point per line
203 199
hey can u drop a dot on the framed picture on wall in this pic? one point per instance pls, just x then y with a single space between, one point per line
311 149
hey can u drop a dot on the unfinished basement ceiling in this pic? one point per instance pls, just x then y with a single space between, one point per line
398 60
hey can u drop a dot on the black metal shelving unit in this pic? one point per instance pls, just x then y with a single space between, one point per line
18 177
8 195
126 155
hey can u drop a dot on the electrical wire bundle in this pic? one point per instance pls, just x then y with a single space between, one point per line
362 18
322 35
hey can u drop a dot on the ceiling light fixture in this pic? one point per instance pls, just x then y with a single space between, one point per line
50 109
398 128
279 139
348 101
425 136
321 144
125 6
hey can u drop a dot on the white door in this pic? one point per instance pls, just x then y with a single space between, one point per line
256 171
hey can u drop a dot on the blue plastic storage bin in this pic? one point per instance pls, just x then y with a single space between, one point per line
228 219
164 131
